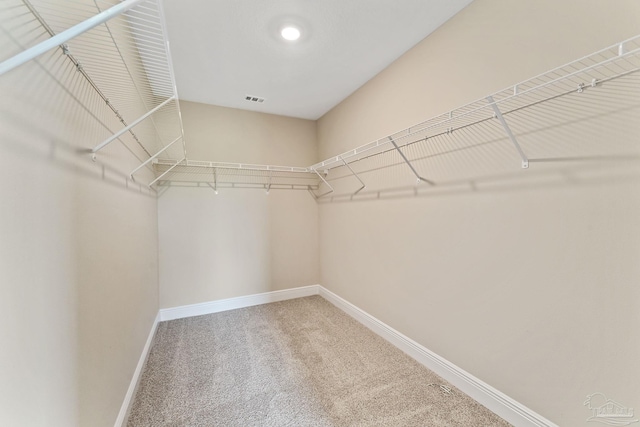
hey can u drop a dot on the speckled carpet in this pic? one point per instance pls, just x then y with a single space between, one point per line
301 362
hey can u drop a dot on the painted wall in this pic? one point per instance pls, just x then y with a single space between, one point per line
78 248
240 241
527 279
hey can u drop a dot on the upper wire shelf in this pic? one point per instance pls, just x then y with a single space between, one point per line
121 50
569 104
235 175
588 72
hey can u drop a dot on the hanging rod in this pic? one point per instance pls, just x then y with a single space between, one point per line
66 35
135 82
81 70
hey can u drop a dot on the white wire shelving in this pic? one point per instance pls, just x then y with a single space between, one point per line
550 117
121 49
584 90
235 175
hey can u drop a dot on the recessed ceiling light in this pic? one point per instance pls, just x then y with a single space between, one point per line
290 33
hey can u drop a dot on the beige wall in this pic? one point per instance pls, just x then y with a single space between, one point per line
530 283
240 241
78 252
223 134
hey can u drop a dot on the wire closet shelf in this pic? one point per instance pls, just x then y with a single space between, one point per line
606 81
121 49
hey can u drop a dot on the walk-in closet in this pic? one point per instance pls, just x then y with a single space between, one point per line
331 213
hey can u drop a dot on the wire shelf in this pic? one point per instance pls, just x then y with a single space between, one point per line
235 175
120 49
125 59
564 114
588 72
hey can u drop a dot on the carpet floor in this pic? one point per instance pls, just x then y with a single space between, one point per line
301 362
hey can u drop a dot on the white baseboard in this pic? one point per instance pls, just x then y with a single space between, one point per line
499 403
496 401
238 302
128 399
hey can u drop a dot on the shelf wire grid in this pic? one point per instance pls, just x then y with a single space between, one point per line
599 124
591 91
592 70
235 175
588 109
127 62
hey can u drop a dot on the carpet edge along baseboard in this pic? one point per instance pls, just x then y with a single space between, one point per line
496 401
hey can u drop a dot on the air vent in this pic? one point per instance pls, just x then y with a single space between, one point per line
252 98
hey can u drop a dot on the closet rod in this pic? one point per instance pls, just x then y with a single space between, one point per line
81 70
66 35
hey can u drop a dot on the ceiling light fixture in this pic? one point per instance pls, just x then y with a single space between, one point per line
290 33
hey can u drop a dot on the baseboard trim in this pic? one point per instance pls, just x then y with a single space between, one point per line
128 398
238 302
496 401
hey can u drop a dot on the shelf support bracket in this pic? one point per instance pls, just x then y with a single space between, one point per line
154 156
507 129
127 128
269 184
166 172
325 181
409 163
354 174
65 36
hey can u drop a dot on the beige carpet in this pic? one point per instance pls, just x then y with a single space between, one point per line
295 363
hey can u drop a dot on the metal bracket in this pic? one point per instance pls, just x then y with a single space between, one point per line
127 128
154 156
325 181
167 171
621 49
269 183
507 129
354 174
409 164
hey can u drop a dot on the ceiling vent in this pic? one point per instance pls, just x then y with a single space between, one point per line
252 98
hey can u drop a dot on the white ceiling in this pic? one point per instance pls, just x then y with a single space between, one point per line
223 50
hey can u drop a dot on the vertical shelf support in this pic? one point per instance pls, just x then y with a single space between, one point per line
354 174
409 163
507 129
154 156
269 184
126 129
325 181
167 171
